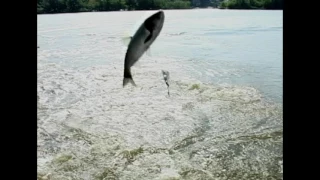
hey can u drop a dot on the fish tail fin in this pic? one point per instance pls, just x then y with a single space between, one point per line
128 78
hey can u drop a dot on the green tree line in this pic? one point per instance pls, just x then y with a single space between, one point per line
63 6
67 6
252 4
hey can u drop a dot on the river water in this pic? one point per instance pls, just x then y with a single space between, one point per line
222 120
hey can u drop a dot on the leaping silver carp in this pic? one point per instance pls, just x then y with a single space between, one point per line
166 79
140 42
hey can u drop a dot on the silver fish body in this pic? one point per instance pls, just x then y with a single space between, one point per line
141 41
166 76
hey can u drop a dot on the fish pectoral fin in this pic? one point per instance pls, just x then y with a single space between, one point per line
148 38
126 40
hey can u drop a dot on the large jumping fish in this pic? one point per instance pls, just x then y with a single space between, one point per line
140 42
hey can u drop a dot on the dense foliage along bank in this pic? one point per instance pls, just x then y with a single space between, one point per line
252 4
67 6
62 6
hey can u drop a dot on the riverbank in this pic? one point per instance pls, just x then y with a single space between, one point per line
218 8
76 6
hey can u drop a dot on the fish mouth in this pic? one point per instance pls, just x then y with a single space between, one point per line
159 15
155 21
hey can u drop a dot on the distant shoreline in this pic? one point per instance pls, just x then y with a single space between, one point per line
159 9
78 6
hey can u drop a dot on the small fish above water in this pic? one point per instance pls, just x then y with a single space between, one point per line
141 42
166 78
